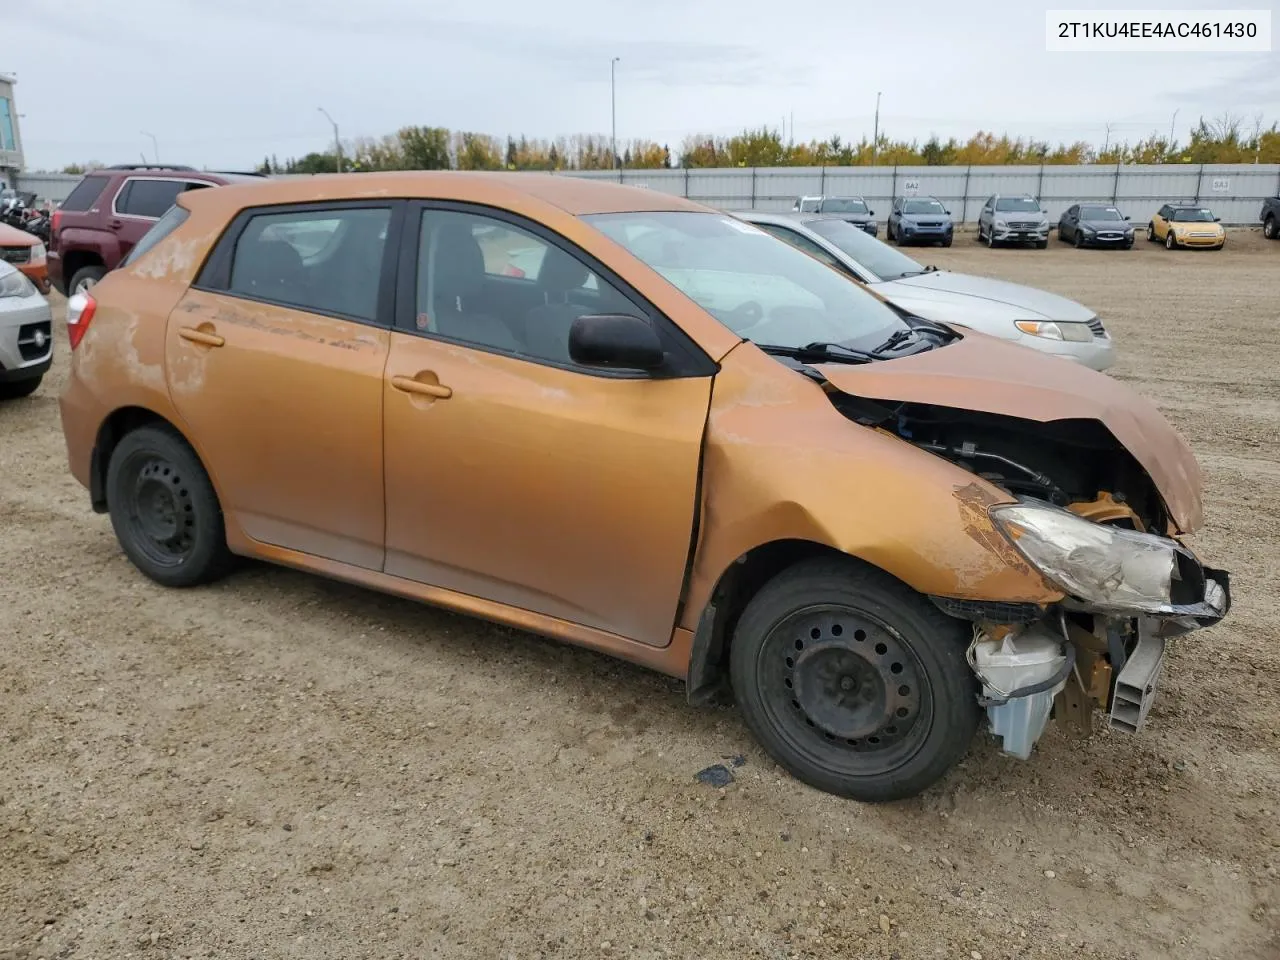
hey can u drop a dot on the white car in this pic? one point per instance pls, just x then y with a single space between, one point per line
1035 318
26 334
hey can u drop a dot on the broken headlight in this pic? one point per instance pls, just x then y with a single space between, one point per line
1106 567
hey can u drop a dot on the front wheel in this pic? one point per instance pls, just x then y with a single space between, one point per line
853 682
1079 240
164 509
946 242
1042 244
1170 241
1270 229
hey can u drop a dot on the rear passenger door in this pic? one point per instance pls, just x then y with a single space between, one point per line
140 202
275 360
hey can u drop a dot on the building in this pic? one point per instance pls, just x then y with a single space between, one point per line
10 138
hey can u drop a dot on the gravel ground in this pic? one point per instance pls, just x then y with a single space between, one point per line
279 766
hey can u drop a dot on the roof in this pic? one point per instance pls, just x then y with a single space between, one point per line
573 195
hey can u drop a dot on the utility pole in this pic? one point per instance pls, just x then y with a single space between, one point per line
337 144
875 136
613 112
1107 142
155 146
1171 123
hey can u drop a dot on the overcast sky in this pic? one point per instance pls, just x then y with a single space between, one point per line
224 82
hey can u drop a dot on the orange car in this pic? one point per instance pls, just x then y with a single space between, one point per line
26 253
624 420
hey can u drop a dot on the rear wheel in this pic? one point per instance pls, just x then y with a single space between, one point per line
1151 233
853 682
1271 229
22 388
164 509
84 278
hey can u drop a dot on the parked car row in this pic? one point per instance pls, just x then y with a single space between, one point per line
1020 219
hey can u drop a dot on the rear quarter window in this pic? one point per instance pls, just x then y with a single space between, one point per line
170 222
85 194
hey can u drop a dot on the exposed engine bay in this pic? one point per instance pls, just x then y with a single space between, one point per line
1129 586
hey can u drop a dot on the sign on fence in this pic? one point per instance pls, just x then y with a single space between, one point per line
910 187
1221 184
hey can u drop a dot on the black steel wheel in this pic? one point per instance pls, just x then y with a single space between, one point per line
852 681
164 509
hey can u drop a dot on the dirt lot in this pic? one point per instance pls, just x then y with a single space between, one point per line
280 766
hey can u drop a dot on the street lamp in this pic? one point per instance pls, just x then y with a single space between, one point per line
613 113
337 144
875 136
155 144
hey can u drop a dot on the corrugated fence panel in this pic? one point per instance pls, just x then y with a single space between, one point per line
664 181
730 188
47 186
1234 192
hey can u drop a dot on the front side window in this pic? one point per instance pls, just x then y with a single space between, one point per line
924 206
491 283
326 261
762 289
800 242
1017 205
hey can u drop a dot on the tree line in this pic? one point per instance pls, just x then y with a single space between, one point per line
1225 139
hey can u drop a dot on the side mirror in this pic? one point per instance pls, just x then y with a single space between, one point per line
1126 217
1217 219
946 211
871 213
615 340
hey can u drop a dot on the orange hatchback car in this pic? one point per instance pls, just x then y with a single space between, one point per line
624 420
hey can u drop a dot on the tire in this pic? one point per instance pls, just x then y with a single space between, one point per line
19 389
1151 233
1042 244
1170 241
1062 237
899 238
164 509
84 278
1079 238
991 237
946 242
978 236
1270 228
914 709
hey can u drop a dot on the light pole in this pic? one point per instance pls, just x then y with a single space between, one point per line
154 144
1171 123
613 113
875 136
337 144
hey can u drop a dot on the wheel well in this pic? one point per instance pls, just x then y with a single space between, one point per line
709 658
114 429
75 260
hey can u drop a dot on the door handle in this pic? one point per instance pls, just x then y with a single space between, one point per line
202 337
437 391
117 224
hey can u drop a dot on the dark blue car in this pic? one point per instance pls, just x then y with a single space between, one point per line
920 220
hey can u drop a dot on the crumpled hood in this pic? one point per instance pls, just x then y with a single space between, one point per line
985 374
1040 303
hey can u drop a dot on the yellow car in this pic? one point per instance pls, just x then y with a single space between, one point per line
1186 225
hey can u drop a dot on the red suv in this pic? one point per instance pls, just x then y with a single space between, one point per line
109 211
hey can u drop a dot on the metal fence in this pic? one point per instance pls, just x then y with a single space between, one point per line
1234 191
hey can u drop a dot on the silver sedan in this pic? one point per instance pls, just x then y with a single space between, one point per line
1035 318
26 334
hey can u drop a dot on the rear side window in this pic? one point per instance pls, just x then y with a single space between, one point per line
151 198
170 222
85 194
326 261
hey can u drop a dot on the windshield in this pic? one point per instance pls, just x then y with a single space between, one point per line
880 258
1100 213
1017 205
759 287
923 206
1195 216
843 205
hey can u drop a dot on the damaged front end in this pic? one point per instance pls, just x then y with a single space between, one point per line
1087 516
